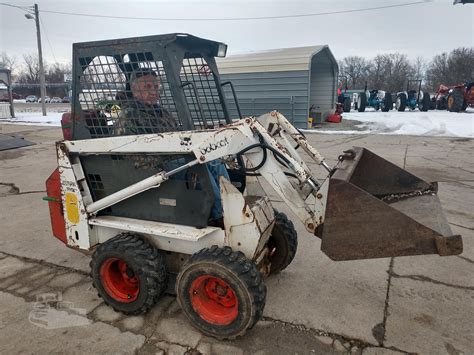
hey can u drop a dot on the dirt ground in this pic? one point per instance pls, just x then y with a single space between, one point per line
316 306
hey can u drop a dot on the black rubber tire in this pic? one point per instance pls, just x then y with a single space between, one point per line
441 103
146 262
340 98
425 102
455 100
284 242
401 102
239 273
347 104
433 103
361 102
387 103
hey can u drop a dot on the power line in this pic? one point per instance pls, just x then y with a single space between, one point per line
24 8
237 18
47 38
30 10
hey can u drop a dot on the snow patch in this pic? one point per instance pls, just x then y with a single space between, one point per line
431 123
35 119
415 123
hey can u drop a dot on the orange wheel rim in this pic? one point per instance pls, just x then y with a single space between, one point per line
119 280
214 300
450 101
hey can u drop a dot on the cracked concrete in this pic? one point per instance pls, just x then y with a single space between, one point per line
428 279
8 189
164 328
386 306
379 330
427 317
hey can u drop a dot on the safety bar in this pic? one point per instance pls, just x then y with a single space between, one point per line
201 110
235 96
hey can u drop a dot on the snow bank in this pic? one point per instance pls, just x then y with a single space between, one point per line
35 119
431 123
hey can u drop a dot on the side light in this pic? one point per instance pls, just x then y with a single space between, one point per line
222 50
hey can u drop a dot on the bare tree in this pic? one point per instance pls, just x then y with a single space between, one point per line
8 61
419 66
56 71
376 71
356 69
451 69
461 64
400 73
30 72
389 72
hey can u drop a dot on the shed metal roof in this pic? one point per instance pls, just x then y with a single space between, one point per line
284 59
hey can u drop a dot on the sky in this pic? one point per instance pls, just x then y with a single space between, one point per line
424 29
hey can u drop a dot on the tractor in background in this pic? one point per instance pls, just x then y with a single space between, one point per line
455 98
441 97
460 97
378 99
342 96
413 98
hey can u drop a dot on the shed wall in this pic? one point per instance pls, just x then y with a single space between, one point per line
261 92
322 91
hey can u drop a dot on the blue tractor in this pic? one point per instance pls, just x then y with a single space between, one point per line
413 98
378 99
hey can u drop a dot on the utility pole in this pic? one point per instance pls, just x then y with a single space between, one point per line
29 16
40 60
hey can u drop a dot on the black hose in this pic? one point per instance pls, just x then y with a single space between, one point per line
258 174
264 158
285 159
262 163
280 158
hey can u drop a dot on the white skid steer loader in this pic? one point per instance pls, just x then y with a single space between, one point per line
134 186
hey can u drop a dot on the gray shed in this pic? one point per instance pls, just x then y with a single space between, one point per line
289 80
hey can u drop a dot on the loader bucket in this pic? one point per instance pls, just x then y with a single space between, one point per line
376 209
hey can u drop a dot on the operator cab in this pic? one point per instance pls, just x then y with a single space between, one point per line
190 92
185 66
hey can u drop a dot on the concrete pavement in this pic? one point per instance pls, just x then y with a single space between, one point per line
411 304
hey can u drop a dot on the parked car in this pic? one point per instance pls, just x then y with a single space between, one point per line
31 98
47 99
4 96
56 100
66 99
16 96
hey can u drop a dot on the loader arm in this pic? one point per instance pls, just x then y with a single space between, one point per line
365 208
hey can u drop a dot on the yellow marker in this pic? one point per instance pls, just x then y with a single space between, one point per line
72 208
115 111
310 122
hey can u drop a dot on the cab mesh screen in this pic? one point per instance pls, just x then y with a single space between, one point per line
127 94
